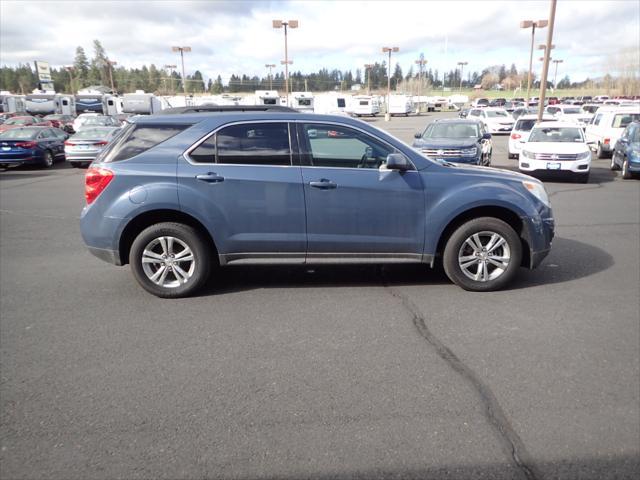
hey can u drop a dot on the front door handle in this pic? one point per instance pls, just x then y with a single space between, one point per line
323 184
210 177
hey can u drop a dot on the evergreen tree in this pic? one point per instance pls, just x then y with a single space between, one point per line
80 69
99 64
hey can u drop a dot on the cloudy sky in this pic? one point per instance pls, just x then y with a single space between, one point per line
237 36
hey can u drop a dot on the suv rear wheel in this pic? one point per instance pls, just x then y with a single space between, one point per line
170 260
482 255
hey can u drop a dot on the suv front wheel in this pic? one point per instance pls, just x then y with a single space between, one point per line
170 260
482 255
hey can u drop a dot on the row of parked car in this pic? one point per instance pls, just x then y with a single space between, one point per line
32 140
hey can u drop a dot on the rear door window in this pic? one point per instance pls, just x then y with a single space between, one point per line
136 139
254 144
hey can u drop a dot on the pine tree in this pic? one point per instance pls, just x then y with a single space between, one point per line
100 63
80 69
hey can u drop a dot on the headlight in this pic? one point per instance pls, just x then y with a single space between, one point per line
584 156
469 152
527 154
537 190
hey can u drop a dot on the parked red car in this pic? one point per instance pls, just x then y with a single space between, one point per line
24 121
554 101
63 122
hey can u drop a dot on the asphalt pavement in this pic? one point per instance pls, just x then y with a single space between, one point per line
325 373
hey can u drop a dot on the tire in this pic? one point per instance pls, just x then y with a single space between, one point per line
47 161
460 246
177 278
600 152
613 165
626 174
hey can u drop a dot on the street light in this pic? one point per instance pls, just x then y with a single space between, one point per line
182 50
462 64
270 66
387 115
532 25
70 68
368 66
421 62
555 75
169 70
286 62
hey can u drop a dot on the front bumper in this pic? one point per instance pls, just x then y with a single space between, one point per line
538 232
109 256
548 166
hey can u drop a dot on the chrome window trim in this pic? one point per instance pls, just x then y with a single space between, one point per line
199 142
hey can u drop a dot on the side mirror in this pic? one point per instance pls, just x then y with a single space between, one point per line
591 143
486 136
417 135
397 161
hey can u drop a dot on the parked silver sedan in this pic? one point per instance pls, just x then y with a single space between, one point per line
83 148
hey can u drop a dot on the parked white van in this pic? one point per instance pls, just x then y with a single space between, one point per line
607 126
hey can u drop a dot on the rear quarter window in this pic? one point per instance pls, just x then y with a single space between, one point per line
136 139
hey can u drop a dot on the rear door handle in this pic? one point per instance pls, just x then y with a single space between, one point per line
323 184
210 177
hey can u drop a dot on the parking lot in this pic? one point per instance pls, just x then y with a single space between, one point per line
325 372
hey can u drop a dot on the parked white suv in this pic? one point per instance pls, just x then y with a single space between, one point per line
569 113
556 148
521 130
607 125
495 120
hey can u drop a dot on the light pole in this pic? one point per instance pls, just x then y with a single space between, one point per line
270 66
547 54
555 75
111 64
543 47
367 69
182 50
169 71
533 25
70 68
286 62
387 115
462 64
421 62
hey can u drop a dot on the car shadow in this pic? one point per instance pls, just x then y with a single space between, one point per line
569 260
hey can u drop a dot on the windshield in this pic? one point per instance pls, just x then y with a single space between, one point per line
496 114
621 120
635 136
556 134
19 134
570 111
17 121
451 130
97 121
93 133
54 117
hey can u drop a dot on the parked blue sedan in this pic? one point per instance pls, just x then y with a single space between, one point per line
32 145
626 154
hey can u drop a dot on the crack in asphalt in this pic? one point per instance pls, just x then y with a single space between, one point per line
496 416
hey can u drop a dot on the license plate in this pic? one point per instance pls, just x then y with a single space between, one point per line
6 148
553 166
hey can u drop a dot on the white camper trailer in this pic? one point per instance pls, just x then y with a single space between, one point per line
364 105
112 104
331 104
13 104
400 105
301 101
267 97
141 103
89 103
41 103
66 104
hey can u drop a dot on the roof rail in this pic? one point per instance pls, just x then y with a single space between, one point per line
228 108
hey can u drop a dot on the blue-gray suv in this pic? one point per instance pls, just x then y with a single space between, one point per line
178 196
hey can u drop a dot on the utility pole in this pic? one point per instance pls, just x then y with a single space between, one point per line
169 74
111 64
367 69
555 75
421 62
547 54
462 64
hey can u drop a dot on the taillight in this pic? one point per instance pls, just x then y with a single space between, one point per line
515 136
100 144
95 181
69 144
607 141
26 144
